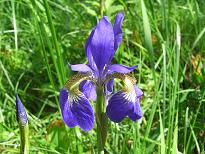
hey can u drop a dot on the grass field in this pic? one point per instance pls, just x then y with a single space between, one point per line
166 38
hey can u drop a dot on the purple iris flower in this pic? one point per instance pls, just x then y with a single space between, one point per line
21 115
74 99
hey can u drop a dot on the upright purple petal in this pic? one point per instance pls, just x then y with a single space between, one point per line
88 89
80 68
76 110
119 105
100 44
21 115
120 68
118 29
88 51
108 87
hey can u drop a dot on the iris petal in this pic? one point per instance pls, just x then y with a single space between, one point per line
76 110
110 85
120 68
136 114
80 68
138 91
88 50
67 115
119 105
100 44
84 114
20 112
118 29
88 89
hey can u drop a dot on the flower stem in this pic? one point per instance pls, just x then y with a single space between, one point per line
101 120
24 133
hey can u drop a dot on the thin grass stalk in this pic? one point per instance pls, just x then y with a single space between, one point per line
162 136
164 20
55 43
164 83
43 52
173 109
175 136
185 128
148 44
193 124
42 32
14 24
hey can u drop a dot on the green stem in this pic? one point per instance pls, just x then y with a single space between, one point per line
101 120
24 133
102 4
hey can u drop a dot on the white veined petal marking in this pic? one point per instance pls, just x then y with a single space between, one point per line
130 96
75 96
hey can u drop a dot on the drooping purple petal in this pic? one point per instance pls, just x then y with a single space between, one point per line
119 105
67 115
21 115
80 68
76 110
118 29
88 89
100 44
83 113
120 68
136 113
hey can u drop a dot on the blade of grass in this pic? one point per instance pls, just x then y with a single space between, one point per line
7 76
185 128
14 25
147 31
193 124
164 83
149 46
175 139
198 38
195 139
172 106
162 136
60 62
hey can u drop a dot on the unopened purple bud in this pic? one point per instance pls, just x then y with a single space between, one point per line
20 112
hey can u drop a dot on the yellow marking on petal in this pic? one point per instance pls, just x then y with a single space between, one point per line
128 84
75 80
129 81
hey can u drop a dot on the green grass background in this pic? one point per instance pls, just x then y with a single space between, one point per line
165 37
